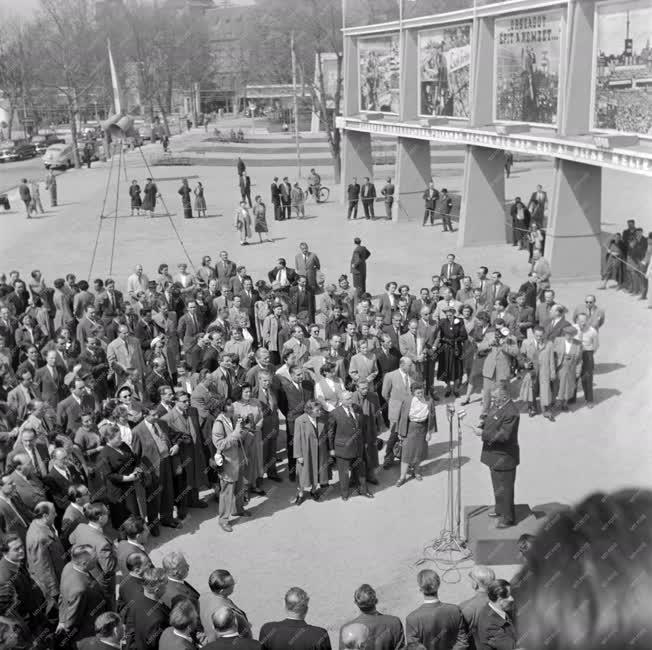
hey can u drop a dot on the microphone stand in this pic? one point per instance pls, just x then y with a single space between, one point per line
450 539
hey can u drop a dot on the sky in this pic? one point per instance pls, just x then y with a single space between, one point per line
18 7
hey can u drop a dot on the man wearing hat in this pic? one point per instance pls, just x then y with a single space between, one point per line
501 453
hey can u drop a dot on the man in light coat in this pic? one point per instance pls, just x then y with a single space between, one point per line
306 263
396 388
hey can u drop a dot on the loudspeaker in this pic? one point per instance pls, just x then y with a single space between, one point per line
120 126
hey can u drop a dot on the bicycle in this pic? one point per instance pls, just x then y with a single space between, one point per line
322 193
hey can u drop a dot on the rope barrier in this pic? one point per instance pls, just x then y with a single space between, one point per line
169 216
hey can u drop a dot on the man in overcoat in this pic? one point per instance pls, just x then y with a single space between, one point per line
501 453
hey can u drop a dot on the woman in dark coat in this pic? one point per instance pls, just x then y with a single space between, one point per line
260 220
121 473
416 424
186 199
151 194
136 202
450 368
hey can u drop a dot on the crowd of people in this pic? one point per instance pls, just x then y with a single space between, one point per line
82 589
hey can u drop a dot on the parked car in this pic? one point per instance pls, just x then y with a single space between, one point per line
17 150
58 156
43 141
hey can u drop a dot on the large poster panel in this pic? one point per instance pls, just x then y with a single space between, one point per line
444 66
527 63
623 68
379 74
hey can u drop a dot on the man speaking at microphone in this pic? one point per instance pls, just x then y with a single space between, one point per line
500 452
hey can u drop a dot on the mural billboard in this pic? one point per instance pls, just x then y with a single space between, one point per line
444 67
527 65
622 81
379 73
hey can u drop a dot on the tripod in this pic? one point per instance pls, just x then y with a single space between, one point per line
450 539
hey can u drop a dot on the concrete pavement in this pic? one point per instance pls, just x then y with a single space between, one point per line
330 548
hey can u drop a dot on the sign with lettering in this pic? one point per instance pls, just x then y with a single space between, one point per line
527 66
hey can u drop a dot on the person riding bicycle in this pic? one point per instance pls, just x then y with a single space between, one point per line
314 181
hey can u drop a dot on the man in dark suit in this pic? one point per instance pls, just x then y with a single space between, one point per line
225 269
264 391
359 265
29 487
481 577
248 299
236 282
302 299
70 410
159 460
109 632
184 431
368 193
501 453
346 445
286 198
496 629
110 302
131 585
296 392
92 534
276 199
554 327
81 597
15 582
226 630
48 382
293 631
388 192
283 275
184 624
452 272
61 477
435 625
520 222
189 331
14 515
538 205
430 198
395 330
353 197
385 631
147 615
176 568
78 497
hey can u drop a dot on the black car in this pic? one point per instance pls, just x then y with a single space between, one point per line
17 150
42 142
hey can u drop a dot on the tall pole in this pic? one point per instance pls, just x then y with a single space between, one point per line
296 105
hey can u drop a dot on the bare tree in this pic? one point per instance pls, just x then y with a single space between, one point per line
69 48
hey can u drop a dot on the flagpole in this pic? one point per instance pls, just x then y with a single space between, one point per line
296 106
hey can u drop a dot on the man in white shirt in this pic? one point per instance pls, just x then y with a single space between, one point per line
589 338
137 282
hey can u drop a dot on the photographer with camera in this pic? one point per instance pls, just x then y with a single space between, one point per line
231 461
501 350
250 412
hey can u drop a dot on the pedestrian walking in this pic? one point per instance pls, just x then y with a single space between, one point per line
260 218
200 201
151 194
87 155
36 198
245 188
165 141
25 196
186 203
243 223
136 201
51 185
298 199
241 167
